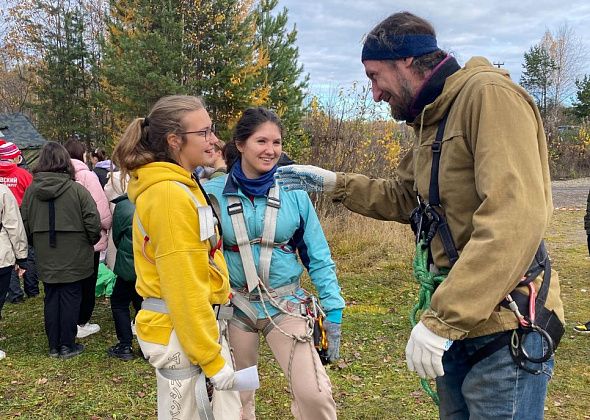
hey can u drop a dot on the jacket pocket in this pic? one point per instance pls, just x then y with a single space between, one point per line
218 278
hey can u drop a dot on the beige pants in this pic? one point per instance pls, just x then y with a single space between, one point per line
307 372
177 399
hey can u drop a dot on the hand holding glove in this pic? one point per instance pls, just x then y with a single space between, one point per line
20 267
306 177
424 352
333 333
224 379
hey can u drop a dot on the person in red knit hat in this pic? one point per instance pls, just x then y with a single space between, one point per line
17 179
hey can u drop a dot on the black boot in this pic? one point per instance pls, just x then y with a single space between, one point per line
121 351
67 352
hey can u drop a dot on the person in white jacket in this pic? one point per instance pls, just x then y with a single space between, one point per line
13 243
89 180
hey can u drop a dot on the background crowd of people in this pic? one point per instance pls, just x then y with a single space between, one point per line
56 228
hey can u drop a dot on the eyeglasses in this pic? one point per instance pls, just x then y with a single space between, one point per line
202 133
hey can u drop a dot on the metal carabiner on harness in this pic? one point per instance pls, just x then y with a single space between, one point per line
424 221
519 353
528 326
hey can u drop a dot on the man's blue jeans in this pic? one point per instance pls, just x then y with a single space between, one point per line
495 387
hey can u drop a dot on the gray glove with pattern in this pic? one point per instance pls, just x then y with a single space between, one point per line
333 333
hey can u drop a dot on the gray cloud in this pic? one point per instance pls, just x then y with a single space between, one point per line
330 31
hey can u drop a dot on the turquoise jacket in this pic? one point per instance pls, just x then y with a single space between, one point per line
299 226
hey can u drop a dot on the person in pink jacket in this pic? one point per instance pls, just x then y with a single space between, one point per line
89 180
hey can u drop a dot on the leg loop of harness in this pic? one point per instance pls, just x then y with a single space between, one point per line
201 394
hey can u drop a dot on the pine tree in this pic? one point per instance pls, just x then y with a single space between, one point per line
142 58
581 106
55 44
218 46
537 75
283 77
63 89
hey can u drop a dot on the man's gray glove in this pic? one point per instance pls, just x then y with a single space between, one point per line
306 177
333 333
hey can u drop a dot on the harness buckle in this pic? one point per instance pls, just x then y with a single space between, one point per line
273 202
436 147
235 208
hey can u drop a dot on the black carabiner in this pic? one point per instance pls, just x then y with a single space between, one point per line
520 355
544 335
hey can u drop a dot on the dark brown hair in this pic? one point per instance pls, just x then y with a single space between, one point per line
100 154
251 119
75 148
406 23
55 158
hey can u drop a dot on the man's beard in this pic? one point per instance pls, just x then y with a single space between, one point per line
401 110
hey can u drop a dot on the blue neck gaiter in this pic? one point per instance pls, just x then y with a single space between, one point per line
256 187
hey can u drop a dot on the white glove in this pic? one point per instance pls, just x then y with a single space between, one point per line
224 379
424 352
306 177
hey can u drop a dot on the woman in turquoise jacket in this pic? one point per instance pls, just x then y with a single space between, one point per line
267 294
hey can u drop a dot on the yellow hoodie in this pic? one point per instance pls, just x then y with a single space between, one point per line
181 274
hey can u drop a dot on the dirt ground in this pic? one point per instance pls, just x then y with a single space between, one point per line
570 194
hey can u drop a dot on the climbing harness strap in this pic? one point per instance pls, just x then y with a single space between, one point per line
208 224
201 395
428 218
236 212
538 319
159 305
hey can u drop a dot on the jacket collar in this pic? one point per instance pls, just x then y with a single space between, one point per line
434 84
231 186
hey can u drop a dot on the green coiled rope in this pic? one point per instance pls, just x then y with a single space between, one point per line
428 283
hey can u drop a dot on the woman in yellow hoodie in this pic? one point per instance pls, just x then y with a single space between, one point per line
181 273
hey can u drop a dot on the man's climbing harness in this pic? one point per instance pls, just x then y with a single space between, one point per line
427 220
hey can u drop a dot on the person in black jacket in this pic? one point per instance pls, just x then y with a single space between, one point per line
124 291
585 328
101 165
63 224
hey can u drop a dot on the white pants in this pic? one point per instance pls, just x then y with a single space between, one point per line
177 399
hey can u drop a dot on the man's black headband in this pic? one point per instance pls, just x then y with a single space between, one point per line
404 46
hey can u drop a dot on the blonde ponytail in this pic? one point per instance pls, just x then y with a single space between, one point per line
145 139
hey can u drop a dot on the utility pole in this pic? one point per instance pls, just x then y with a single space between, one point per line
498 64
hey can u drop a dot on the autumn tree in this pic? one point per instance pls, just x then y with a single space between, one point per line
194 47
222 63
56 42
569 56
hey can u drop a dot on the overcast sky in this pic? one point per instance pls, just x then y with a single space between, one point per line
330 31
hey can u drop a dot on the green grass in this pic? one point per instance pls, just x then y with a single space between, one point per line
371 382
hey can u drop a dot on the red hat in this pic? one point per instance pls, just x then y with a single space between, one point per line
9 150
